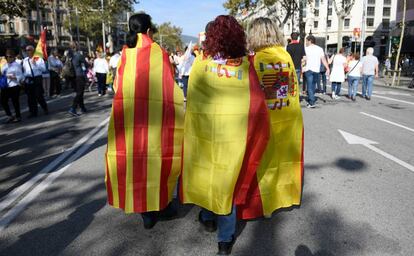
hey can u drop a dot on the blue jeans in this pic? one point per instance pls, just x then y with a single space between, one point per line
336 87
298 73
367 81
311 78
318 82
353 86
185 85
226 224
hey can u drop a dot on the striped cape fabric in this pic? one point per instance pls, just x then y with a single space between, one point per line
143 157
41 47
280 173
226 130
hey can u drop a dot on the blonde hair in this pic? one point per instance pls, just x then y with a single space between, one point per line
263 32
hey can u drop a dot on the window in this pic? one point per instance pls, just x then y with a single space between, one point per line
11 27
370 11
370 22
346 23
316 3
329 11
329 24
316 13
387 2
386 12
315 24
371 1
385 24
2 28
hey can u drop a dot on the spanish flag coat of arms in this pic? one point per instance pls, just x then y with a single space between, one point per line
226 130
143 157
280 173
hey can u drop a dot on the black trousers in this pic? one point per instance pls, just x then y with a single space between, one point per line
79 89
12 93
101 83
35 95
55 86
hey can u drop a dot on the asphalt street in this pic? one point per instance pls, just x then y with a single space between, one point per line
357 197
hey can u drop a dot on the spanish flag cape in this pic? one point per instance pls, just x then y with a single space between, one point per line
143 157
226 130
280 173
41 47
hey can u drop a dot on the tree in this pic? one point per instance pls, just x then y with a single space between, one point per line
342 9
169 36
15 8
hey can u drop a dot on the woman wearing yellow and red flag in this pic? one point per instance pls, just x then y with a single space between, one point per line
143 156
226 130
280 173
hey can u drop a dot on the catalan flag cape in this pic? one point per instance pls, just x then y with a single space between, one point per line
143 157
226 130
280 174
41 48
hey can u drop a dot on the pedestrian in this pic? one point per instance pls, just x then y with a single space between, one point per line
185 69
113 63
68 71
280 169
296 49
337 76
354 75
46 81
145 131
314 57
388 66
226 121
14 76
369 72
322 75
79 66
33 68
55 68
101 68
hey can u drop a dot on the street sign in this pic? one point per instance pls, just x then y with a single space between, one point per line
357 32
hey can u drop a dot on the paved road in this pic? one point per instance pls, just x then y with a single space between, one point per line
356 201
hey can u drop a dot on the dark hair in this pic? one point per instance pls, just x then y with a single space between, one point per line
356 56
342 50
208 26
294 36
225 37
138 23
311 38
11 52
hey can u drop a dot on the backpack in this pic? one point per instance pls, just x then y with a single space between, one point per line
68 69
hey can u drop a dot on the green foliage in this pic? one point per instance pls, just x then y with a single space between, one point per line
236 5
170 35
16 8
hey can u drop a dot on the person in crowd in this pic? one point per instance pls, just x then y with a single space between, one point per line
296 50
279 175
55 68
145 131
337 76
322 75
79 66
369 72
314 57
33 68
113 63
46 81
226 120
101 68
19 59
68 71
354 75
14 75
185 68
387 65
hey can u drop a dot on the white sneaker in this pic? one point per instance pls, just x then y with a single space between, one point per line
310 106
333 95
337 97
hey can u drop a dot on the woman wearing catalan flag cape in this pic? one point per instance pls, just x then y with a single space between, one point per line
143 156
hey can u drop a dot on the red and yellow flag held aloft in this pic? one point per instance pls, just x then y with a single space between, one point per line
41 48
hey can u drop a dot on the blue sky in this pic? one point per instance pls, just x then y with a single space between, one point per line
191 15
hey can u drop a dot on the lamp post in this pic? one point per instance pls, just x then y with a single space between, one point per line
364 13
103 27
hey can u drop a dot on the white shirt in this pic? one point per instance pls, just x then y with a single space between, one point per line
13 69
37 64
368 65
185 67
55 64
113 62
100 65
314 54
355 68
338 69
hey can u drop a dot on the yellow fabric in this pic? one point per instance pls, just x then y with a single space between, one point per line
215 131
280 171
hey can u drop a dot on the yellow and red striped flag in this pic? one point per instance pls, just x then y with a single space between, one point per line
41 47
143 157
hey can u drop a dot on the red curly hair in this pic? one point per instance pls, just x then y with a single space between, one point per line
225 37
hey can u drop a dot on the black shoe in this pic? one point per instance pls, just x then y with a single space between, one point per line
368 98
10 119
84 110
151 220
209 225
224 248
168 213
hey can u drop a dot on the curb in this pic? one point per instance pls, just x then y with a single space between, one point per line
402 88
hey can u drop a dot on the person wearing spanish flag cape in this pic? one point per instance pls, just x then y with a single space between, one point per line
226 130
143 156
280 172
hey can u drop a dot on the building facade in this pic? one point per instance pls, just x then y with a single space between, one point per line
407 46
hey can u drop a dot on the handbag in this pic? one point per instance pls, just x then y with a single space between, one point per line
29 80
3 81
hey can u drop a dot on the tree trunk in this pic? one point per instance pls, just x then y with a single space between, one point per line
54 23
340 29
397 59
302 24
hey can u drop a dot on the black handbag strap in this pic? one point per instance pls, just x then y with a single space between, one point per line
31 70
352 68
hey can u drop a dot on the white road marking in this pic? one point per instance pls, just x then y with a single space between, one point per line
384 120
391 93
26 200
18 192
355 140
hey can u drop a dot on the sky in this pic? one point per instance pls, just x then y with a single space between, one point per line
191 15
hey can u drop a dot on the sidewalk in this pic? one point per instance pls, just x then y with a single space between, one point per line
386 83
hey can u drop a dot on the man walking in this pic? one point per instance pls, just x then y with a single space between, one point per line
297 52
79 65
369 72
314 57
55 67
